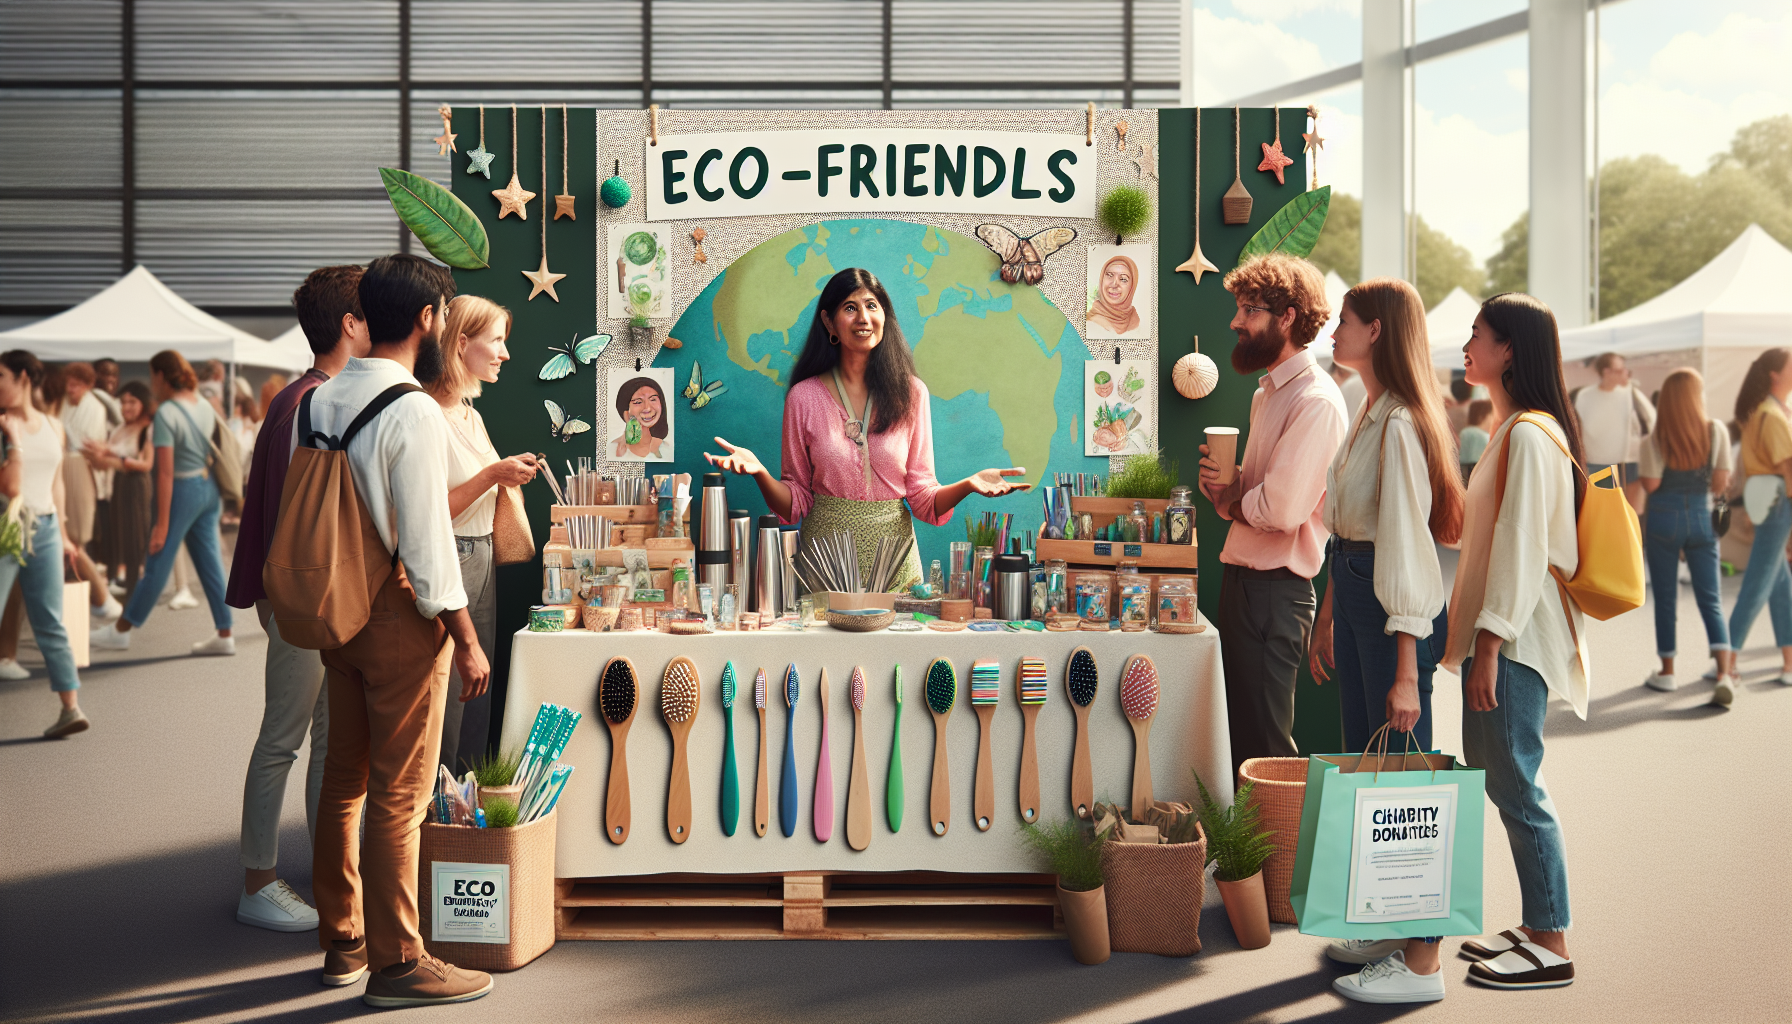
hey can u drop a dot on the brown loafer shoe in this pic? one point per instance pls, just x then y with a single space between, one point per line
345 967
429 982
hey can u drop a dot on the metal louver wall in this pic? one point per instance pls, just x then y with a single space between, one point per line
184 134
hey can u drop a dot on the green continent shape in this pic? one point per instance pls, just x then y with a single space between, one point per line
958 352
760 290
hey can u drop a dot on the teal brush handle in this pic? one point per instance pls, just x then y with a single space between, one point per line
787 780
894 796
730 777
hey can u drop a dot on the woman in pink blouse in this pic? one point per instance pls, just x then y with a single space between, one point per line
858 433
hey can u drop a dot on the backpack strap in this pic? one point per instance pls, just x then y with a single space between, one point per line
307 436
1499 497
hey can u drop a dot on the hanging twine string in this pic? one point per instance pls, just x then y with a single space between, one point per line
513 139
562 146
1234 142
481 126
544 184
1197 177
1278 116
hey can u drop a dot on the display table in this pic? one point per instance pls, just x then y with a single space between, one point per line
1189 731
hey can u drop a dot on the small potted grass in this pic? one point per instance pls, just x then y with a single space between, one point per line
495 772
1074 852
1237 846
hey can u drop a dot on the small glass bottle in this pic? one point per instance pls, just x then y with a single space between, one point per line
1132 597
960 553
725 608
557 577
1138 523
1179 518
982 579
681 585
936 578
1056 582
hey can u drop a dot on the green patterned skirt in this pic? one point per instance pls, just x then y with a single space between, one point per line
868 522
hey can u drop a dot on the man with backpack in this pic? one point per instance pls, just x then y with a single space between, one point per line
387 680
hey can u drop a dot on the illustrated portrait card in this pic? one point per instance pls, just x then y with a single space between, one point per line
1120 296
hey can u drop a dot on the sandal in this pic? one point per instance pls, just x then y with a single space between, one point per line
1526 965
1504 942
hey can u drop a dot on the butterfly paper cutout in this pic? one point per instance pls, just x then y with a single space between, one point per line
1023 259
562 364
697 392
562 425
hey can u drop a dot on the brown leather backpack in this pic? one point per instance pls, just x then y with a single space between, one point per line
326 561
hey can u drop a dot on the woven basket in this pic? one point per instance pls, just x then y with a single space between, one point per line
1154 895
529 850
1279 786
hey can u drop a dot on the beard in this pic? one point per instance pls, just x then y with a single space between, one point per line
430 363
1256 350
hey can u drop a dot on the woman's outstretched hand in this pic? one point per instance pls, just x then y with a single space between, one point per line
993 483
738 460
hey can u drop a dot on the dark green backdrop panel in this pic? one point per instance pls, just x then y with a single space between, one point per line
1185 310
512 407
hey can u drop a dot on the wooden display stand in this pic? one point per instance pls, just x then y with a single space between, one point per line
1153 559
809 905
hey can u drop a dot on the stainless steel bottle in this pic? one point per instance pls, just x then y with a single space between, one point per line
740 546
788 539
1012 578
712 534
768 568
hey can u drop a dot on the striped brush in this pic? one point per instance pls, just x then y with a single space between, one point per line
1031 684
986 690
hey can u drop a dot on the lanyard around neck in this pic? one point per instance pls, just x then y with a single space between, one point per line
857 430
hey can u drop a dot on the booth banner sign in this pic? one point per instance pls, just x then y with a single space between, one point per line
472 903
868 172
1400 855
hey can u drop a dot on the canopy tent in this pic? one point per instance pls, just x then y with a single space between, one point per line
1716 321
137 316
1447 327
1334 297
293 346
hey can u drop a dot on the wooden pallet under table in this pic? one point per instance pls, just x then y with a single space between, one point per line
809 905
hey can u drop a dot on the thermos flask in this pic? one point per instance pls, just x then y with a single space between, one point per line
712 535
768 568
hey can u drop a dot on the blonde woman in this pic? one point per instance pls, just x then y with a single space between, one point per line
1685 460
473 352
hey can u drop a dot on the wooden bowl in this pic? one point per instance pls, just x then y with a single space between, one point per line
860 623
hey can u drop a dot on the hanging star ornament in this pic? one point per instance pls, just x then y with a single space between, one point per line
513 198
445 141
542 279
479 161
1274 160
1147 160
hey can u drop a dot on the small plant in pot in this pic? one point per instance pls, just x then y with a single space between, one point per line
495 772
1074 852
640 330
1237 846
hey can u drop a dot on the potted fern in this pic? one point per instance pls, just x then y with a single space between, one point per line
1074 853
1237 846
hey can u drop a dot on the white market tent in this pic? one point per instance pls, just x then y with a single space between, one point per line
1334 297
1716 321
293 346
1447 325
137 316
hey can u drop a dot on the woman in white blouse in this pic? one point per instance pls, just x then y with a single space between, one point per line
473 351
1516 636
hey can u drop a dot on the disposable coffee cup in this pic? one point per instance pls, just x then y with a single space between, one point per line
1222 448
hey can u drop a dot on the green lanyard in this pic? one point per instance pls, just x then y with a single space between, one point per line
857 430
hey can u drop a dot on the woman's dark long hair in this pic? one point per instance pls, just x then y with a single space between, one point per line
889 376
626 394
1533 378
1757 384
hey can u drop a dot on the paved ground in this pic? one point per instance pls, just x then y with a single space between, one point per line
118 881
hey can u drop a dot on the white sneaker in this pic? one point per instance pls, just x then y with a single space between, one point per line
1362 951
108 638
108 612
11 669
183 598
1785 679
1389 980
1710 676
116 589
220 645
1725 692
1658 681
278 908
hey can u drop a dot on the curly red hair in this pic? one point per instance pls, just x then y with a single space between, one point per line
1276 281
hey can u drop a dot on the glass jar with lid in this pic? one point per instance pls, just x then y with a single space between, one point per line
1138 523
1176 605
1132 597
1092 598
1179 518
1057 582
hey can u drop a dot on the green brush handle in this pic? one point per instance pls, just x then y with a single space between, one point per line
730 777
894 796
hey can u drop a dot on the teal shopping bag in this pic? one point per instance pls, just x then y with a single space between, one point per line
1390 846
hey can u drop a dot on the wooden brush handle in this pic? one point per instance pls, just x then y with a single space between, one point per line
895 796
616 804
678 792
983 799
762 792
1141 768
858 789
787 779
1029 764
1082 781
939 800
730 776
824 780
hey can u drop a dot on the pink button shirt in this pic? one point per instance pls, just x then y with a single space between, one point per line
818 458
1297 423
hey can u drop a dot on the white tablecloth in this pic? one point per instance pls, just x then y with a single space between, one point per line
1189 731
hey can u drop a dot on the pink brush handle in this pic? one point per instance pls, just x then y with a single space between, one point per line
824 786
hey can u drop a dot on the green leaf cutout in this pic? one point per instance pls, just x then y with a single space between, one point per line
448 229
1294 229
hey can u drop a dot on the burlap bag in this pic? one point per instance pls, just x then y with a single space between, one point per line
1279 786
529 850
1154 894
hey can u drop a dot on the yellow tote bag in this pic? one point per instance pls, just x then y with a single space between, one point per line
1609 579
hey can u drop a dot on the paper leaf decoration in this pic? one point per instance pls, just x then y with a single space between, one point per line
1294 229
448 229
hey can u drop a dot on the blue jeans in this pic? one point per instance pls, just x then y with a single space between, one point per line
1507 743
1367 654
192 516
1767 580
1679 521
40 584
